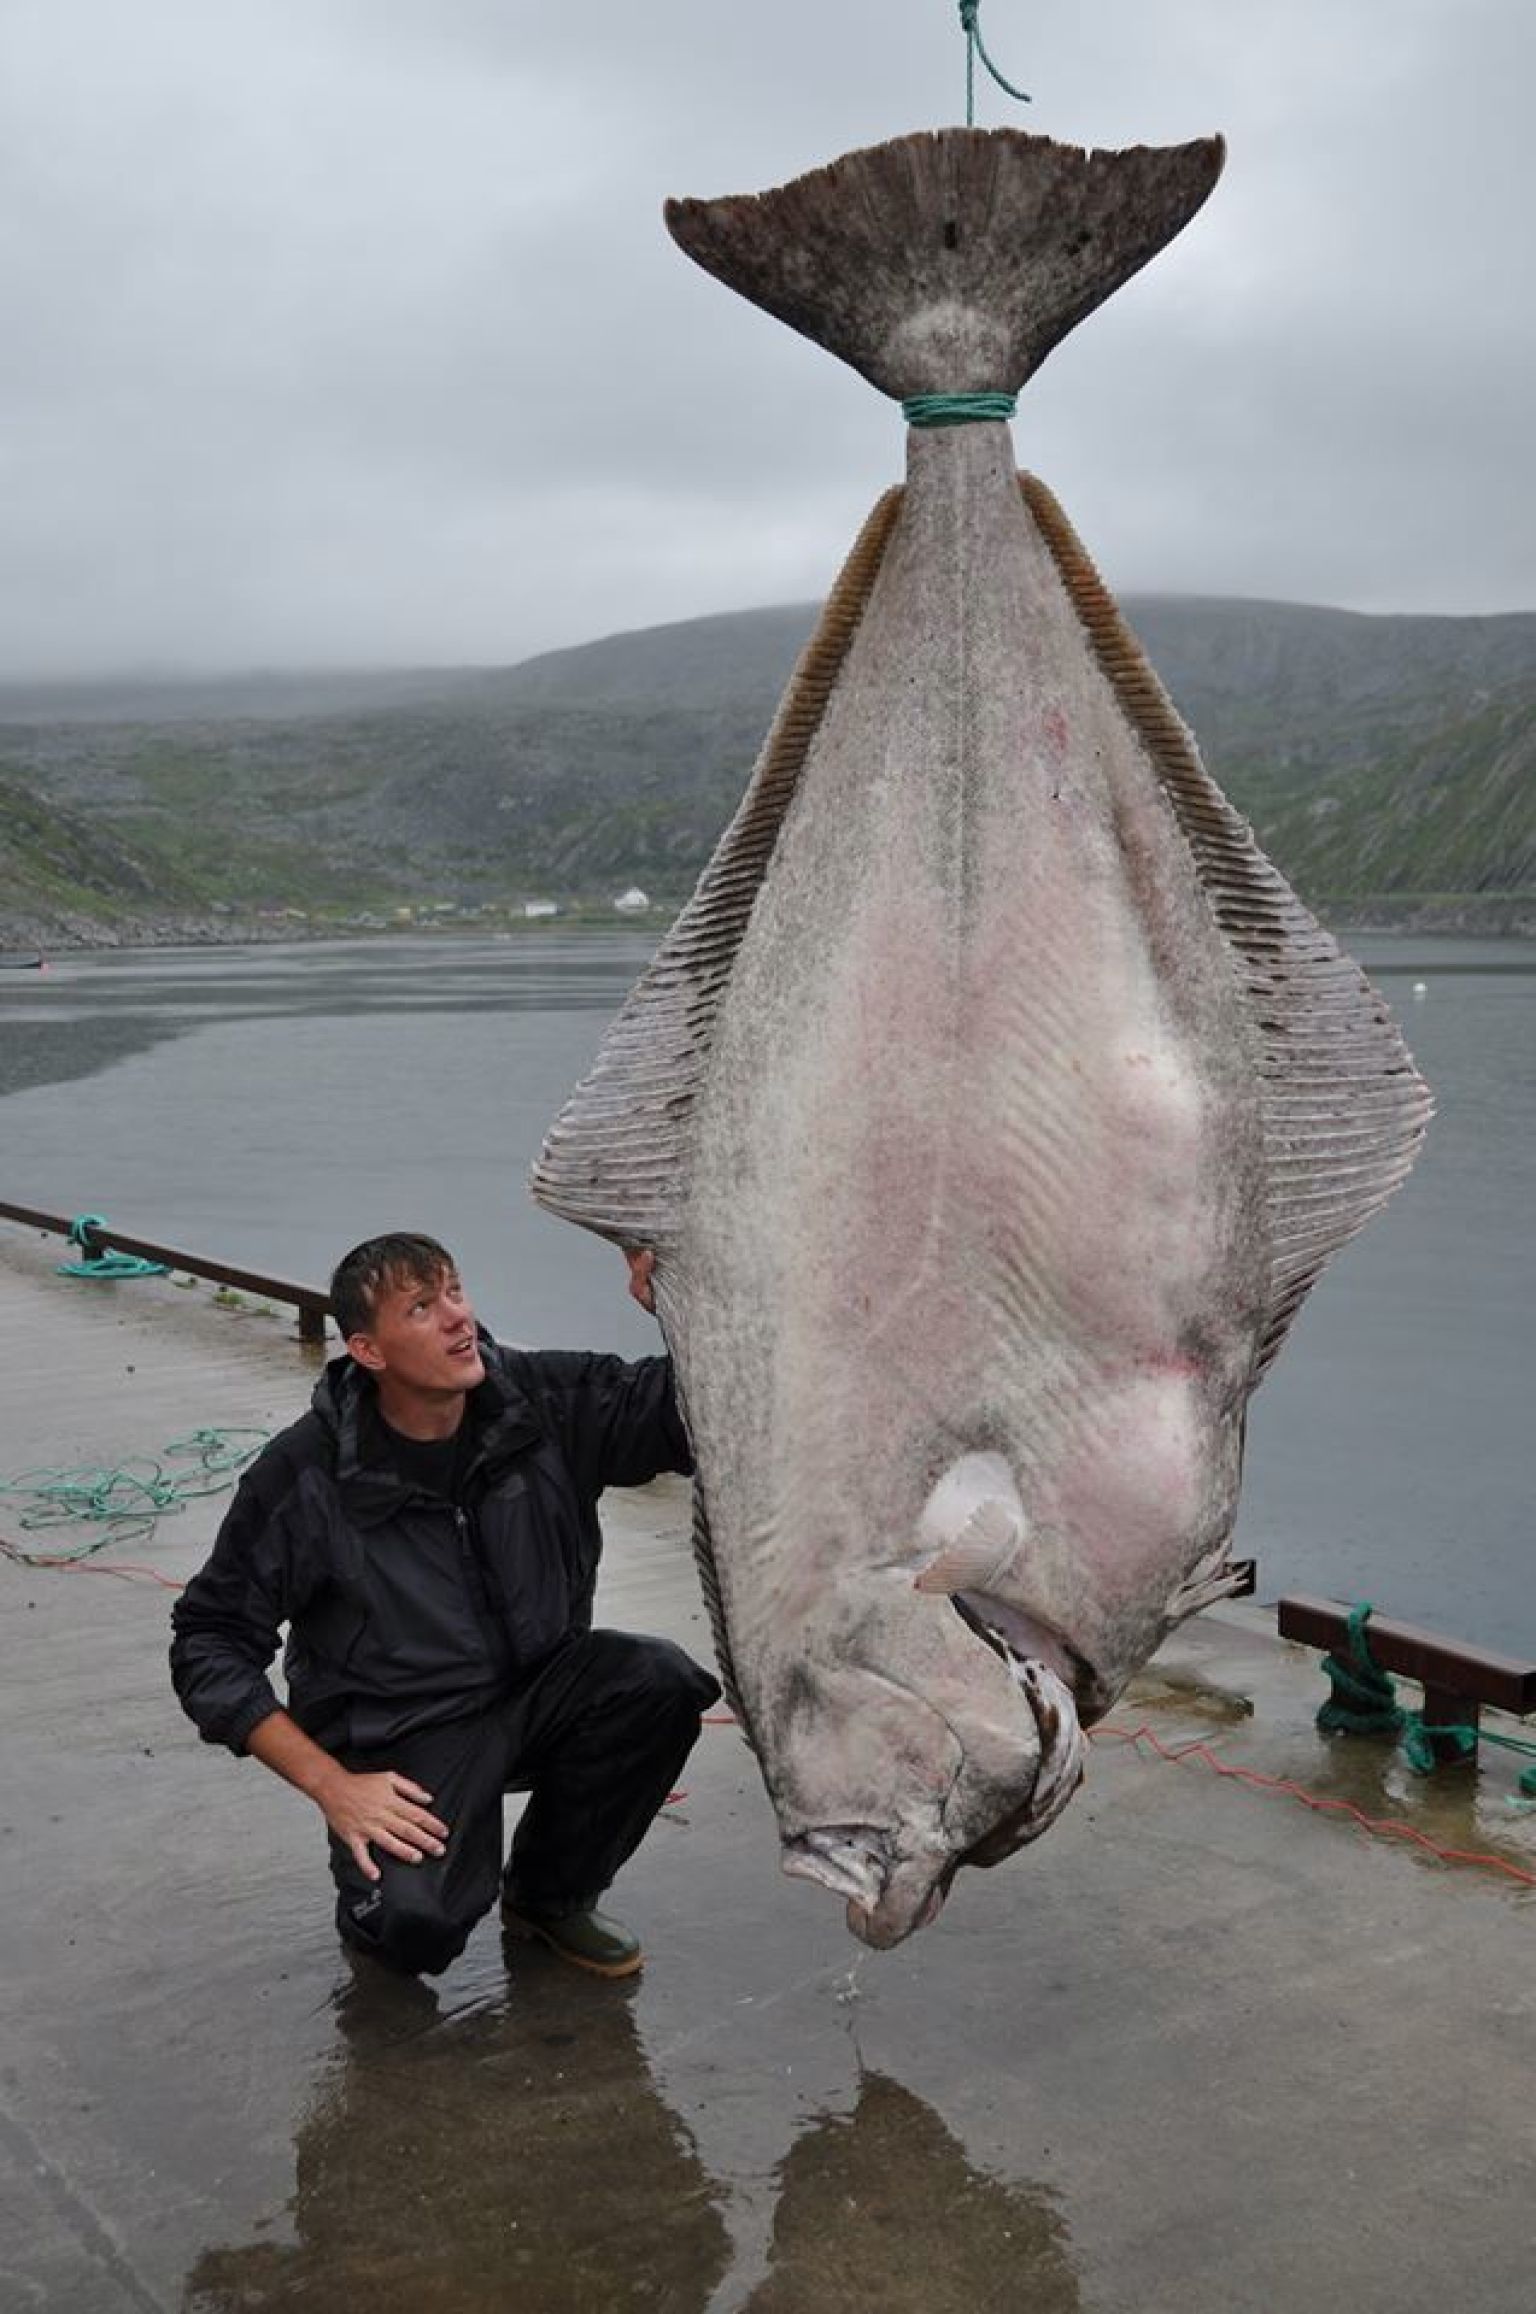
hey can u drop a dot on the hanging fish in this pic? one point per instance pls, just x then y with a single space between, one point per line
993 1103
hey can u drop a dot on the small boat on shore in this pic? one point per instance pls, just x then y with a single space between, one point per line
23 963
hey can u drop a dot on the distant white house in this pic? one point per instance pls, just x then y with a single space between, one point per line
540 908
632 900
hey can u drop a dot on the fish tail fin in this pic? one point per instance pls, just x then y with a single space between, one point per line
952 261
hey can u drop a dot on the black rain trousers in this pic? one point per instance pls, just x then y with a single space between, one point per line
597 1738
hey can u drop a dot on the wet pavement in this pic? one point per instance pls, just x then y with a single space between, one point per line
1202 2051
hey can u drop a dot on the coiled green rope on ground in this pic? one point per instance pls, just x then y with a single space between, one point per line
125 1501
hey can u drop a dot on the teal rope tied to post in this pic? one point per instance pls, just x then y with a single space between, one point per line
970 25
101 1261
957 409
1363 1697
1363 1701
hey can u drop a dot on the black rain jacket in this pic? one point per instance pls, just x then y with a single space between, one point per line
403 1608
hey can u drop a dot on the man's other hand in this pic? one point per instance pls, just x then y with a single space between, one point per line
641 1262
386 1810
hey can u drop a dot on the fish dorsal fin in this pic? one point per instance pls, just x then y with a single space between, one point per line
952 261
615 1159
971 1526
1344 1109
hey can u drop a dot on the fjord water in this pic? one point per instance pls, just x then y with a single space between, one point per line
272 1105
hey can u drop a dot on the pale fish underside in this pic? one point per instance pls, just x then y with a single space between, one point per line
993 1103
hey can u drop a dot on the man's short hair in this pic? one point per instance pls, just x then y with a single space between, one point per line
401 1258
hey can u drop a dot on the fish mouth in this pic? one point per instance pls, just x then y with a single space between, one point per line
853 1860
889 1896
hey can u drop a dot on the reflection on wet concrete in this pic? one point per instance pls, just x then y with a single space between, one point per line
517 2155
881 2209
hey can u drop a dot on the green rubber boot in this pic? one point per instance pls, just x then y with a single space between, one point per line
588 1940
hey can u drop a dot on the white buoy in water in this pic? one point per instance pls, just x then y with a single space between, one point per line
1421 989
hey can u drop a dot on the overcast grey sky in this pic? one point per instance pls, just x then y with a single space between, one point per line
348 331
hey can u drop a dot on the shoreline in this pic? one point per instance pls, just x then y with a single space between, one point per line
1483 917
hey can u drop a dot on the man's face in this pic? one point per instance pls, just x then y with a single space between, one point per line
422 1336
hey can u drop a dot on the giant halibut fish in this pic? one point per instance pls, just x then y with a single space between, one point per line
993 1104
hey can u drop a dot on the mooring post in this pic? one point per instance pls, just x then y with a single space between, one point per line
1443 1709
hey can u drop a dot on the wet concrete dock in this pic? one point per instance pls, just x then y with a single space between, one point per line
1203 2051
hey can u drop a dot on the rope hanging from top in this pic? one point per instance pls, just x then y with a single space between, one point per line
970 25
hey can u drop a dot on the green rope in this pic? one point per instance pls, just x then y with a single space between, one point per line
957 409
126 1500
1363 1701
970 14
101 1261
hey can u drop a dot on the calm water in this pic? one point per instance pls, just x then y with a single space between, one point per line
276 1104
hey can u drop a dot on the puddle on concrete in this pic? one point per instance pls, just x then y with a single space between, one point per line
517 2151
514 2152
1256 1705
880 2208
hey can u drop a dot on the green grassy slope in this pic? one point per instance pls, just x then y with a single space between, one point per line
1381 760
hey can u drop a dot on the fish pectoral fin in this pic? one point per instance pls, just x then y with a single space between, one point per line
978 1554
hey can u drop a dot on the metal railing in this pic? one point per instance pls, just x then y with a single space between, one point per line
311 1302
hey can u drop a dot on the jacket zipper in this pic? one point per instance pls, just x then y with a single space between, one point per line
479 1589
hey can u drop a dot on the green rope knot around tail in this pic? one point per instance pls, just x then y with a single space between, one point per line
1363 1701
958 409
102 1261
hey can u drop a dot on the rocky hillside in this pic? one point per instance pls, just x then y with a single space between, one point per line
1388 763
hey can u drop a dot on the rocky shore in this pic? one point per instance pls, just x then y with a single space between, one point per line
1478 916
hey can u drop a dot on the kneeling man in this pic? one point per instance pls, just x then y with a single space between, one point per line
428 1532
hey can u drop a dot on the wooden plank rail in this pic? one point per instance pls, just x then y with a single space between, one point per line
311 1302
1457 1680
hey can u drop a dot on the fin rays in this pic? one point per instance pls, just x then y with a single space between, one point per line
614 1159
1344 1108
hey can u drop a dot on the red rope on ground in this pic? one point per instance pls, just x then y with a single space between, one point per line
1380 1827
84 1566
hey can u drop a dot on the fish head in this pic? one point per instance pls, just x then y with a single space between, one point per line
889 1773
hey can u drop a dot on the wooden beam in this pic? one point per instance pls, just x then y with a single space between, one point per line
311 1302
1444 1668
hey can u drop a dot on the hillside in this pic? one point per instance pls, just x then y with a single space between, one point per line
1388 763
